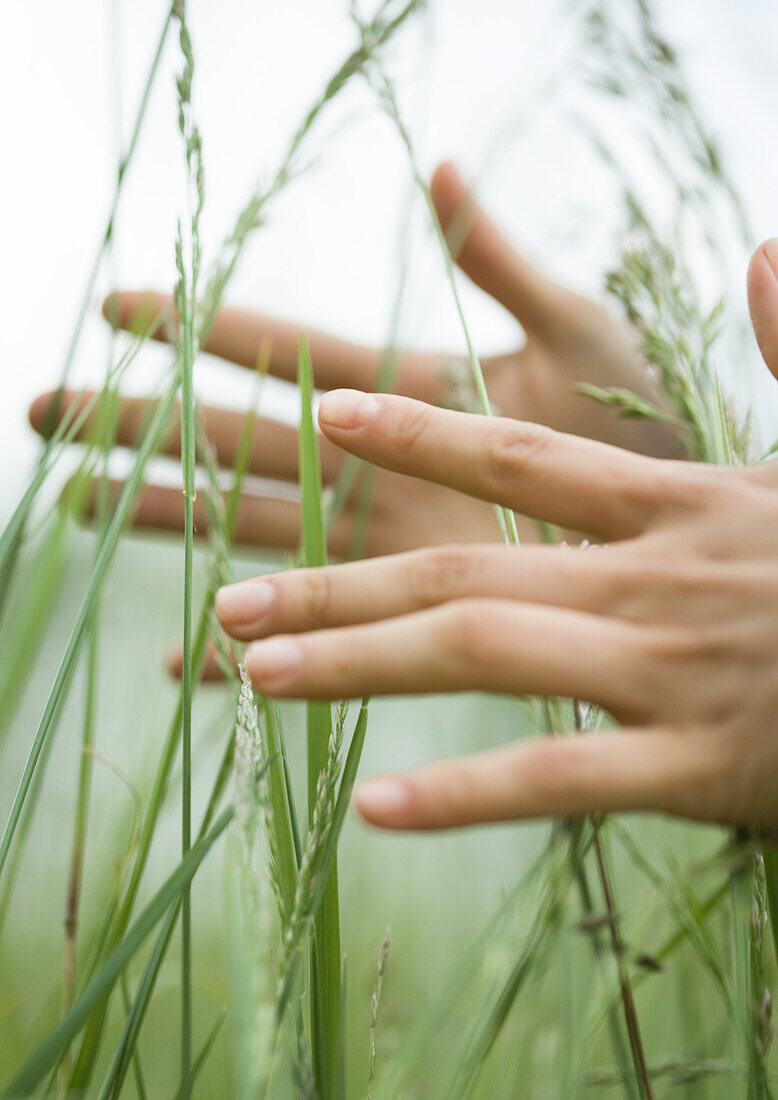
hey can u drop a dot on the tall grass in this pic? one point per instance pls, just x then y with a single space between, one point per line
570 985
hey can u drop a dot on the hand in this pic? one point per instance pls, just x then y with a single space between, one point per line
672 627
569 340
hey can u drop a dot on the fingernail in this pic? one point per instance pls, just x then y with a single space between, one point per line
770 253
274 658
347 409
245 602
384 799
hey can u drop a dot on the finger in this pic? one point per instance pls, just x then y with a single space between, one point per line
555 777
212 672
563 479
487 258
260 521
273 450
763 301
241 335
368 591
465 645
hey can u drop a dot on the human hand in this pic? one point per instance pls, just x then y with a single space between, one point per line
568 340
672 627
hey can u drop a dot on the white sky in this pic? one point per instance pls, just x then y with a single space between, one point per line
329 253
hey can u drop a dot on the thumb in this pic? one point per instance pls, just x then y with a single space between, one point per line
763 300
487 258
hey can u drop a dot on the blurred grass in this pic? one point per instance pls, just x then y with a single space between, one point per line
434 892
128 730
527 1014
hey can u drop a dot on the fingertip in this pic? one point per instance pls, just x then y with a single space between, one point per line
112 309
244 604
273 662
345 410
384 801
762 282
766 253
174 662
136 311
42 413
447 189
77 497
211 672
446 179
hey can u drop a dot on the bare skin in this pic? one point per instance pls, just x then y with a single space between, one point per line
672 627
568 340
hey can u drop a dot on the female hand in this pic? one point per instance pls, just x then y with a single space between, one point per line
672 627
569 340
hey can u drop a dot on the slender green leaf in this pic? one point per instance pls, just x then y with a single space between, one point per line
50 1050
325 946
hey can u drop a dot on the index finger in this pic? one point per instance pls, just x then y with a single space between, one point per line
240 336
591 487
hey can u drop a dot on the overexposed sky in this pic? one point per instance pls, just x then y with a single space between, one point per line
480 85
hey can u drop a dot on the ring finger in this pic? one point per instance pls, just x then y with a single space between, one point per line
465 645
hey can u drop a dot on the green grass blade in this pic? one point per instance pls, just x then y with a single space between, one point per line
348 779
120 1061
741 884
128 1039
98 573
280 810
65 432
186 301
326 953
330 847
118 920
314 544
771 884
205 1050
140 1083
293 815
27 620
490 1024
50 1050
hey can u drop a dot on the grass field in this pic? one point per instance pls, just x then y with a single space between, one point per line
602 957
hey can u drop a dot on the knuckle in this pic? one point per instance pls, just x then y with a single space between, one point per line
440 574
553 772
691 487
315 594
410 426
675 659
643 588
666 650
453 793
509 448
469 626
703 783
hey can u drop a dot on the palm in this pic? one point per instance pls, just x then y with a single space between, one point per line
568 340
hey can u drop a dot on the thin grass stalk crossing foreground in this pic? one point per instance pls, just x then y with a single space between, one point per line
386 94
51 1049
188 267
101 566
482 1039
247 221
326 962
